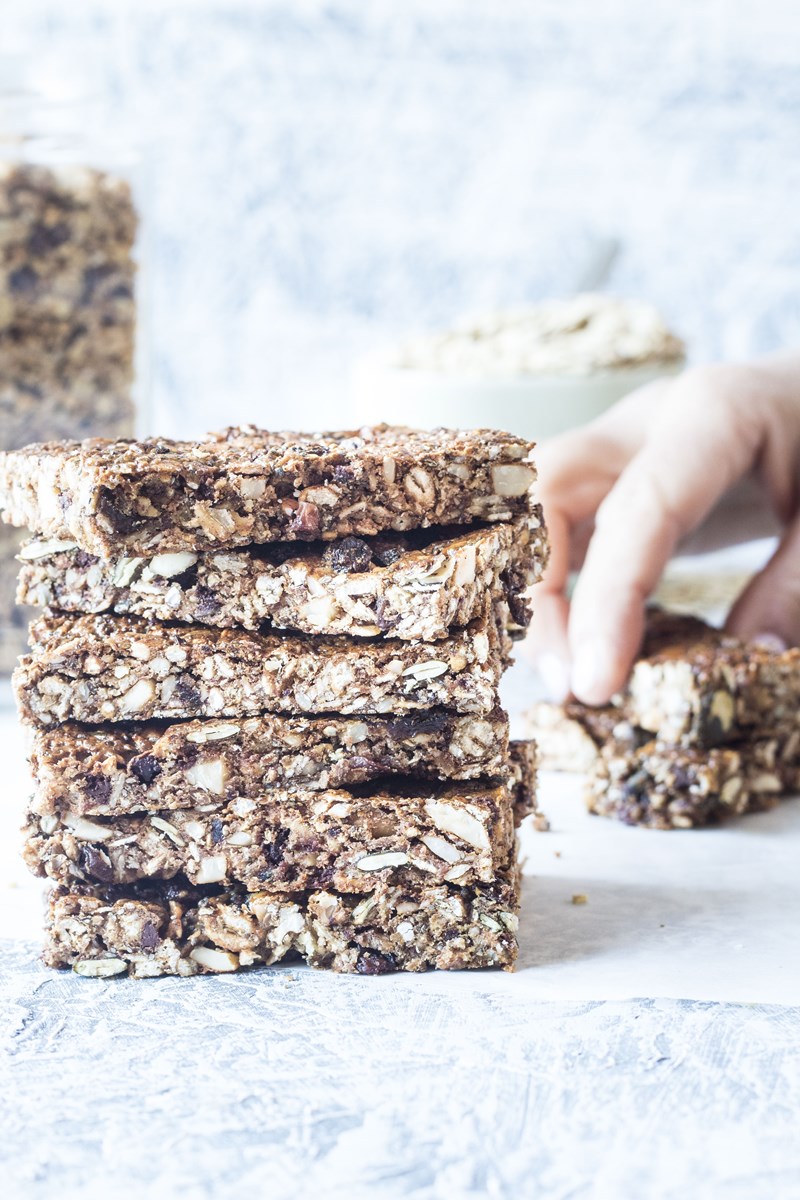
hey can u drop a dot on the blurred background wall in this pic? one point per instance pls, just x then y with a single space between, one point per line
324 177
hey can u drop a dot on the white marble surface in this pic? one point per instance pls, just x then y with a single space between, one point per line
560 1080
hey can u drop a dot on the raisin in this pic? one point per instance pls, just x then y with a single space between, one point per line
386 551
372 962
416 723
48 237
273 851
207 603
120 521
23 281
352 555
384 621
92 277
98 788
145 768
187 694
217 831
150 936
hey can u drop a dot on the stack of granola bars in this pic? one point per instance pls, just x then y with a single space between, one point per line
264 695
707 728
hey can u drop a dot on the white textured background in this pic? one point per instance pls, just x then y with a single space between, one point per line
322 177
325 175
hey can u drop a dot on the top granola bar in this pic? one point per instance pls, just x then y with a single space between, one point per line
250 486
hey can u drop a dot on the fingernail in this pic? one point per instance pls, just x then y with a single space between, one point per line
771 641
554 674
593 672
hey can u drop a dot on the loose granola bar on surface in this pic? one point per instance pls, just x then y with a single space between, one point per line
680 787
408 834
414 586
127 768
246 486
174 929
697 686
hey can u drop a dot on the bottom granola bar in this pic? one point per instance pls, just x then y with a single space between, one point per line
176 930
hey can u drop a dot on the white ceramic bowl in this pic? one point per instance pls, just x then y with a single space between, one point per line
533 406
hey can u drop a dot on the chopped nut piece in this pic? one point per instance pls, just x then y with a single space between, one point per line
100 968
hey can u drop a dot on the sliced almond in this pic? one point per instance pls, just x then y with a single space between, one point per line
459 822
169 565
99 968
214 960
380 862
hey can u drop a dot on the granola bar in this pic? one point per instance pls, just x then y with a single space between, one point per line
697 686
102 668
178 930
675 787
644 781
414 586
409 834
122 769
246 486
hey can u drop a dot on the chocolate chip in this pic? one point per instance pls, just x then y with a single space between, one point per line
145 768
97 788
343 473
96 863
306 523
217 831
207 604
352 555
23 281
187 694
150 936
371 962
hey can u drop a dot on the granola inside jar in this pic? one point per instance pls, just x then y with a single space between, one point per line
68 300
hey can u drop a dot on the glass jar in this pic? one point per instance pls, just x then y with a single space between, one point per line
71 354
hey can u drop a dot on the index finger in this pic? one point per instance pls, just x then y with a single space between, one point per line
696 451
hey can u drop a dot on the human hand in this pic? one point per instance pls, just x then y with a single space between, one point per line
621 493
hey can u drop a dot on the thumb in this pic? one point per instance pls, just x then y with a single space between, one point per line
770 604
